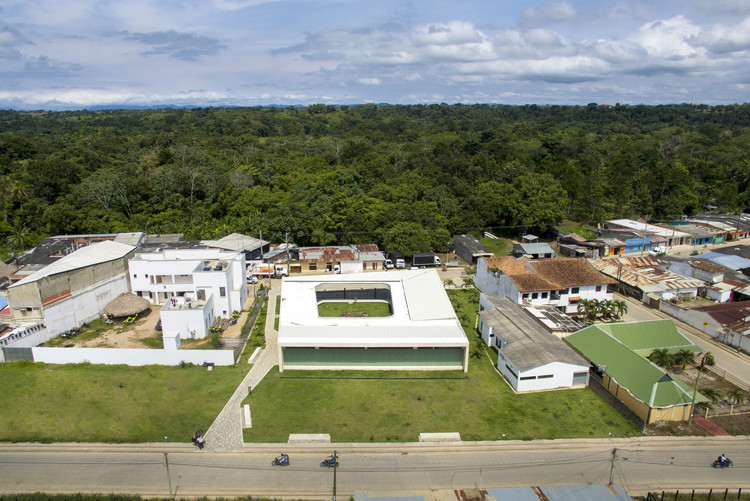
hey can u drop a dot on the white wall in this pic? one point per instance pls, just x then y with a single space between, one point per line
496 284
189 323
562 377
83 306
133 357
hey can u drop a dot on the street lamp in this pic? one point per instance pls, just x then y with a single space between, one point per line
166 464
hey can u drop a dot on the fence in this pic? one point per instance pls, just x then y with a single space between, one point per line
596 384
702 495
249 323
132 357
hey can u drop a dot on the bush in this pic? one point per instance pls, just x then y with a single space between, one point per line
215 340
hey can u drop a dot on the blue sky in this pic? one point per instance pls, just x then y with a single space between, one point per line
71 54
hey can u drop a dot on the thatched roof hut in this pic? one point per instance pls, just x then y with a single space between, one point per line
126 304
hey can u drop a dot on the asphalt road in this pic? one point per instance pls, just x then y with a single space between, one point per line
641 464
727 358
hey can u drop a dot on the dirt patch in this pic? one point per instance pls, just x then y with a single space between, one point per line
122 335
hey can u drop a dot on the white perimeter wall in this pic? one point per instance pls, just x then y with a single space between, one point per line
83 306
134 357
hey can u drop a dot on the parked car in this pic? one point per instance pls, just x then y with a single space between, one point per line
252 279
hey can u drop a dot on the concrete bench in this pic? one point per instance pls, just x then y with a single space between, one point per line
439 437
247 420
254 356
322 438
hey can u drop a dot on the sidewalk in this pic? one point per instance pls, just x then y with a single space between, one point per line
225 434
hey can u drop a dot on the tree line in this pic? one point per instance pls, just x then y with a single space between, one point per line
404 177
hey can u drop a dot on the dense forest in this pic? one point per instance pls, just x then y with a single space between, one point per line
404 177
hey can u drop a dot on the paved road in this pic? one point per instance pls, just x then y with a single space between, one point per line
641 464
727 358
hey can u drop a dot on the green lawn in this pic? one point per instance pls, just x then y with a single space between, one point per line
99 403
359 406
498 246
375 309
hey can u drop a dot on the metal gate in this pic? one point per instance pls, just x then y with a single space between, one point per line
17 354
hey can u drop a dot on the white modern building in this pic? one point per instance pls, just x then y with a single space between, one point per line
421 331
530 357
188 280
559 282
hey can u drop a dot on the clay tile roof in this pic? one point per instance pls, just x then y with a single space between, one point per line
508 265
326 254
568 272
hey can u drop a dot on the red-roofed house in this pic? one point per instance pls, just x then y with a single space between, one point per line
560 282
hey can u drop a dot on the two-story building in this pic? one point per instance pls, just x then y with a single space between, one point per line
174 277
560 282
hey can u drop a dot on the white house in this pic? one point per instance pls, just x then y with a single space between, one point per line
529 356
421 331
191 277
560 282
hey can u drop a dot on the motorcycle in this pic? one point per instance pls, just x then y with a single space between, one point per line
328 463
718 464
278 462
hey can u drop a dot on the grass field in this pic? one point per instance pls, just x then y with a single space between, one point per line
100 403
359 406
375 309
498 246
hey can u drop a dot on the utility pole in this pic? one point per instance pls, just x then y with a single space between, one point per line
612 466
166 463
335 466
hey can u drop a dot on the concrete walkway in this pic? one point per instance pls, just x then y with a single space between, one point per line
225 434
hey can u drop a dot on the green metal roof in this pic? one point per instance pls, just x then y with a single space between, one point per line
645 337
646 381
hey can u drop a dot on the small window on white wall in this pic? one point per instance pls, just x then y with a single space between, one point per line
223 291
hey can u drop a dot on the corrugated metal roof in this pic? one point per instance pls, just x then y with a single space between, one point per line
645 337
648 228
86 256
236 242
540 248
643 272
528 344
727 260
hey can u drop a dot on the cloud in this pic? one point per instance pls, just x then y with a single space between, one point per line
722 39
185 46
9 40
43 63
549 13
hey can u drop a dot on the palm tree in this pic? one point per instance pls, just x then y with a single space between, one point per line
448 283
685 357
6 195
19 192
588 308
660 357
468 282
606 308
706 359
621 307
737 397
714 397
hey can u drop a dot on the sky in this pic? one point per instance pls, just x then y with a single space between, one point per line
76 54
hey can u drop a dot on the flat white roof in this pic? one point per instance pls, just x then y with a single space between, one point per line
422 313
90 255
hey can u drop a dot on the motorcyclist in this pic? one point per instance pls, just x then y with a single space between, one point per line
283 458
722 459
331 460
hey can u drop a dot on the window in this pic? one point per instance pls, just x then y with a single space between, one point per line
598 288
313 266
525 296
611 288
135 275
534 295
574 290
223 291
546 376
544 295
526 378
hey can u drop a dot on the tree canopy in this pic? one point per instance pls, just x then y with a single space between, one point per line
405 177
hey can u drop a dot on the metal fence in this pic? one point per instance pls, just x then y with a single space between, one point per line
17 354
